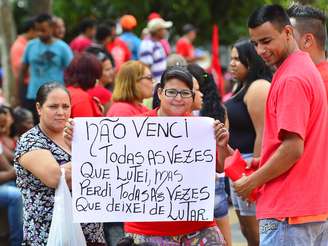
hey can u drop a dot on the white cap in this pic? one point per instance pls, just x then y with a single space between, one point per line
158 23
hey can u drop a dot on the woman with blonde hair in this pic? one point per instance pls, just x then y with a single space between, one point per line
133 83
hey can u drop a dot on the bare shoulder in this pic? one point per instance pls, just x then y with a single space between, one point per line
260 84
258 87
257 91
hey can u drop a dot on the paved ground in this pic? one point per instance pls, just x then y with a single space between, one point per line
237 238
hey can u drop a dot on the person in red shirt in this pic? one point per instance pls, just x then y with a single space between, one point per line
133 83
117 47
17 51
101 89
80 76
87 33
310 32
184 45
292 184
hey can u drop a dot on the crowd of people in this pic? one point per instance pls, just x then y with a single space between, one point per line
276 116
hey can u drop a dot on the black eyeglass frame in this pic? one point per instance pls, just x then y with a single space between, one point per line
177 92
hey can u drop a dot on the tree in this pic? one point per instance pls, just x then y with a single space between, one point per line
39 6
306 1
8 34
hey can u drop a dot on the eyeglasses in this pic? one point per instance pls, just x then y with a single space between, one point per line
175 92
148 77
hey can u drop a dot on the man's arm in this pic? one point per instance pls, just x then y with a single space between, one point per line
20 82
287 154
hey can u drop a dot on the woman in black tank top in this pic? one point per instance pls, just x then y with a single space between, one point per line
245 111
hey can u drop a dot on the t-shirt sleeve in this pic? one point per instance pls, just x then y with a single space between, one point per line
25 59
127 52
181 48
137 43
293 107
145 54
28 143
67 55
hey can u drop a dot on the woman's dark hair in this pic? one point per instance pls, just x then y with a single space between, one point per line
103 31
172 72
101 54
256 67
156 102
4 109
86 24
212 106
21 114
44 90
83 71
20 117
177 72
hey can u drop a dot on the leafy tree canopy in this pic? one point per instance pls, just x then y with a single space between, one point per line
230 15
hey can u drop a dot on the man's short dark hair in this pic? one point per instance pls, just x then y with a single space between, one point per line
103 31
275 14
86 24
28 25
43 18
310 20
111 24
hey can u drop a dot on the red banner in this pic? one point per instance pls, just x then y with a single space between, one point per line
215 63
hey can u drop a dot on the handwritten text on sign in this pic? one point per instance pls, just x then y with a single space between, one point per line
143 169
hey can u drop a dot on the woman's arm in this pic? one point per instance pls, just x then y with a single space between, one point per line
42 165
255 100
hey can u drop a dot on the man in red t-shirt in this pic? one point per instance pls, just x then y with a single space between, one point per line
292 201
17 51
87 33
310 32
184 45
117 47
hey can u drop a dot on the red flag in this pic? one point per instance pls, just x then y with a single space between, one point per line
215 63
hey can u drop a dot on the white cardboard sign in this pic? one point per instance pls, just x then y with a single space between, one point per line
143 169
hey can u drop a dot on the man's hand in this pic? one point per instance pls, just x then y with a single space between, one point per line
253 163
244 186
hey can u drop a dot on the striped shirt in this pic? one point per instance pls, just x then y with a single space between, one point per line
152 54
